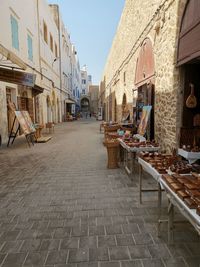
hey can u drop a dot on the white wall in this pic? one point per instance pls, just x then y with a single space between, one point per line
26 15
49 67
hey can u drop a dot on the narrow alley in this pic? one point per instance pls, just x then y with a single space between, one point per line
61 207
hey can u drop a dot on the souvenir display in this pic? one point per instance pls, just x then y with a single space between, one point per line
160 162
181 167
134 142
187 188
189 148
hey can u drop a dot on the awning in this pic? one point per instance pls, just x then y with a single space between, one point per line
37 89
12 57
69 101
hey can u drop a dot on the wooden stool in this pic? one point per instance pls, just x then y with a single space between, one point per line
50 126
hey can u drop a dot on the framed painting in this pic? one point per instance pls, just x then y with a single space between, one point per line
144 120
28 120
22 122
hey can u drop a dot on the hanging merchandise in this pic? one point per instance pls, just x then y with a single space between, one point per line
191 101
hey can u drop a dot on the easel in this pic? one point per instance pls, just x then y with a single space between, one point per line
30 138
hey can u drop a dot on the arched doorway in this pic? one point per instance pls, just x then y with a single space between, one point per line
124 103
188 58
85 105
115 110
58 110
49 119
125 109
144 81
54 107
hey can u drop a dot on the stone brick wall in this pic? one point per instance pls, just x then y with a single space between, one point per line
159 21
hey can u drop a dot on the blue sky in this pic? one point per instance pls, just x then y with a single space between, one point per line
92 25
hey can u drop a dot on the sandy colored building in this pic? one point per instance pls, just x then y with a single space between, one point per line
94 95
86 81
153 60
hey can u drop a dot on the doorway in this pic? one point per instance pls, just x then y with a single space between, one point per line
146 98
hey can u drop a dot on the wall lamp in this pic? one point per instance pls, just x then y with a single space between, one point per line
55 59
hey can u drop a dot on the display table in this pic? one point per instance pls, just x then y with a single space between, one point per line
145 166
190 156
130 154
189 214
50 126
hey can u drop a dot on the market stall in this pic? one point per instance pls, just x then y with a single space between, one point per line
180 181
186 197
131 148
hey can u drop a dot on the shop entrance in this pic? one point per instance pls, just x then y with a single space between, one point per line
190 130
10 95
189 59
145 98
85 105
125 110
144 81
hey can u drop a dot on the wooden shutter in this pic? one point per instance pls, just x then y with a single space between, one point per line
30 47
189 37
14 28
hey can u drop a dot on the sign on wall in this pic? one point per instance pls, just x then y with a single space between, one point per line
17 77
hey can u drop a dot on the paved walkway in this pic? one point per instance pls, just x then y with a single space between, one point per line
61 207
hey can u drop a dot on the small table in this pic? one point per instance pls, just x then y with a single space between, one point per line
38 128
190 156
133 151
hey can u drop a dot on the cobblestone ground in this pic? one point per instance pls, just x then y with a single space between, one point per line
61 207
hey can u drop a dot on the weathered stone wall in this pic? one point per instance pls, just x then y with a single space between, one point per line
159 21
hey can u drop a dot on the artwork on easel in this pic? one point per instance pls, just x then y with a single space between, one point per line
25 124
28 120
146 110
22 122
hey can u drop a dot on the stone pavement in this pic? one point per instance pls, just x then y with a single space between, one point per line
61 207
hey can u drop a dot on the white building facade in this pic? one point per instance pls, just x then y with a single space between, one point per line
35 44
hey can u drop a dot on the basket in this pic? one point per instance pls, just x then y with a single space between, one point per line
112 152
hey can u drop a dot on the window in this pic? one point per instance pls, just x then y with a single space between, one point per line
51 42
83 81
124 77
56 50
14 30
30 47
45 32
83 91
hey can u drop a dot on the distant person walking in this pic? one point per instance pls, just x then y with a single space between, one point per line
90 114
